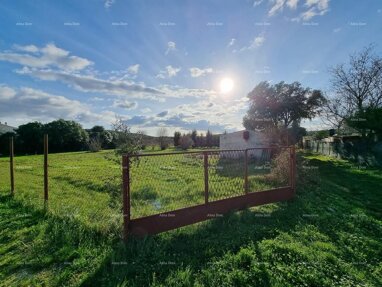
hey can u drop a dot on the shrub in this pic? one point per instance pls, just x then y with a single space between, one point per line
95 144
186 142
280 167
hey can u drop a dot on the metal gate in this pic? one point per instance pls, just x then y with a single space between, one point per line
164 191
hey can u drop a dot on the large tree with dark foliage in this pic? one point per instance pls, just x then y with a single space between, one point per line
274 108
66 136
30 138
177 136
104 137
368 120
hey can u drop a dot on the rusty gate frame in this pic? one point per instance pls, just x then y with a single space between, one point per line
165 221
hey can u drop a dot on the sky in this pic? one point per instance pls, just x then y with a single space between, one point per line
160 63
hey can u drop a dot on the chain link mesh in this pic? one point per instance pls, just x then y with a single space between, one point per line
4 175
225 174
87 186
162 183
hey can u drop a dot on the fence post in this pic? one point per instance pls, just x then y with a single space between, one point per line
11 167
246 187
205 156
46 187
126 195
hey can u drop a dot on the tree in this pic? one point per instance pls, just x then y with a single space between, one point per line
101 136
125 141
186 142
162 134
66 136
4 143
355 86
278 106
209 139
30 137
177 136
194 135
369 120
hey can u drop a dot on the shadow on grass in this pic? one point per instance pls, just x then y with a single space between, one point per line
342 203
334 206
38 247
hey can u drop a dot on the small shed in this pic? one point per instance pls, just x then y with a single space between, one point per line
242 140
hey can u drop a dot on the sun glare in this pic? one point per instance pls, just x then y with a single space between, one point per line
226 85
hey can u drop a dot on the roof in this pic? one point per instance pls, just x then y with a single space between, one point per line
5 129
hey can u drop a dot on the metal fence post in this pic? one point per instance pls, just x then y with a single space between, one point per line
46 188
11 167
205 155
126 195
246 187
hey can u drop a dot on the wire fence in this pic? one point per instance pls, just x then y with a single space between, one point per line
88 186
161 183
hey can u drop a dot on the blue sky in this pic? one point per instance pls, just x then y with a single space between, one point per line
160 63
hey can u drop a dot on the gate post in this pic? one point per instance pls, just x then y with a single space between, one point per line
126 195
46 168
11 168
205 156
246 187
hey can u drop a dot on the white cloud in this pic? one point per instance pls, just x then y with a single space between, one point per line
321 4
257 2
124 104
201 115
6 93
133 69
91 84
108 3
255 43
48 56
31 104
277 7
196 72
232 42
336 30
313 8
27 48
292 4
169 72
146 110
171 46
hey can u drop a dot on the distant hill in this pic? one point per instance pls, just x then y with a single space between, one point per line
5 128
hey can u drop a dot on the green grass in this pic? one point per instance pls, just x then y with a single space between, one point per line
328 235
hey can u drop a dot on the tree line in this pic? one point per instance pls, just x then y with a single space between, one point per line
195 139
64 136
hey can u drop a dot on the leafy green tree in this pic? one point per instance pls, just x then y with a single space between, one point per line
369 119
66 136
4 143
194 135
177 136
279 105
101 136
209 139
30 138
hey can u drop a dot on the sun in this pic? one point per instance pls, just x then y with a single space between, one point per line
226 85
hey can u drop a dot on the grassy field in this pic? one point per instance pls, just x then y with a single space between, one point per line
329 235
87 186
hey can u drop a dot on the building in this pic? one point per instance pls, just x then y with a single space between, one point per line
242 140
4 128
